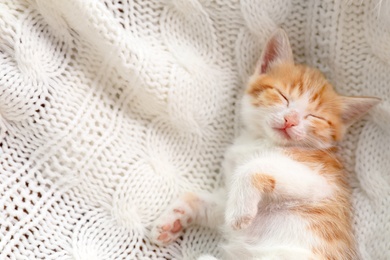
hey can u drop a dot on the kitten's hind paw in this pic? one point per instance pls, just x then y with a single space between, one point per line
164 234
169 226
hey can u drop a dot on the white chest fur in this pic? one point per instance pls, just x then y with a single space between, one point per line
249 156
272 226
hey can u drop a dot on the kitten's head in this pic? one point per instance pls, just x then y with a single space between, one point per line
295 105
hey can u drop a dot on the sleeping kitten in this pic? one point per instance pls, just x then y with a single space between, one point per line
286 194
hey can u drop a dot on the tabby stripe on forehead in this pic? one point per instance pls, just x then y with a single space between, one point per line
320 92
299 85
315 97
323 89
257 88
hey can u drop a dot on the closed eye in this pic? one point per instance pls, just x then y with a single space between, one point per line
318 117
280 93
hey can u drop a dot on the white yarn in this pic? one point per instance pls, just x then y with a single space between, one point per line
110 109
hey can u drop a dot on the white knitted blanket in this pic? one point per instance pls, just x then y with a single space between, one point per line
110 109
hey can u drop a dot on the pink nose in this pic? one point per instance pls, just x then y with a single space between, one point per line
291 120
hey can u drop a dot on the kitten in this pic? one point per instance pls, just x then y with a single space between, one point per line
286 194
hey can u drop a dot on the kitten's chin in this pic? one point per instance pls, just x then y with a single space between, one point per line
280 135
277 136
283 137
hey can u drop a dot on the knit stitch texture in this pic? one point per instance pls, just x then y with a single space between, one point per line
110 109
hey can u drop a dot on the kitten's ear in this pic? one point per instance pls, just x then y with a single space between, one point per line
354 108
277 50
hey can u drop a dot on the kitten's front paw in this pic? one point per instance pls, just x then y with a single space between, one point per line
240 222
241 209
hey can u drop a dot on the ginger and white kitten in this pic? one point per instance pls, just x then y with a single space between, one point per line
286 195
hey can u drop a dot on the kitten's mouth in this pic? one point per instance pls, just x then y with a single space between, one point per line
283 132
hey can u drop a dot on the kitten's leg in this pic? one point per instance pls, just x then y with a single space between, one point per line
276 176
242 202
204 209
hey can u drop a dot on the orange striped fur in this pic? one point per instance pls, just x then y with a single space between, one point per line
298 110
263 182
294 82
329 219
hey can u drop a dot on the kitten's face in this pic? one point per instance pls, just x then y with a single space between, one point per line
294 105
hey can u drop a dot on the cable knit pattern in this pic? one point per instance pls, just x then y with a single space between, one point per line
110 109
